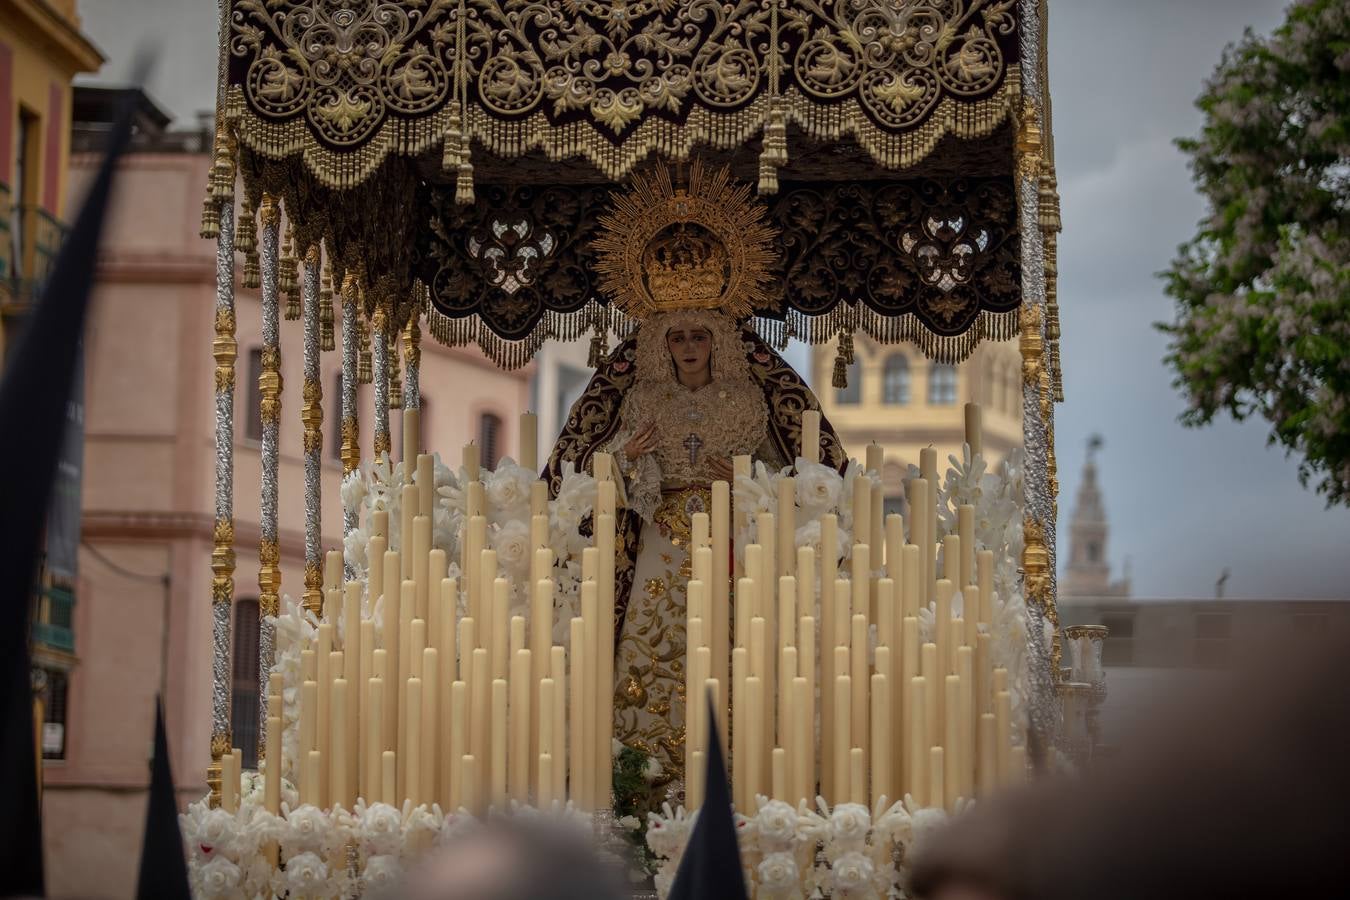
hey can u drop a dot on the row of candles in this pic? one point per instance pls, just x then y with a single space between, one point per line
831 690
462 710
479 709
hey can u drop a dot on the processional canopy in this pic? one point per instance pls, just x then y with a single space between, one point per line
457 157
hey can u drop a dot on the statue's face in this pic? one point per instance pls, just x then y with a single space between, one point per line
690 348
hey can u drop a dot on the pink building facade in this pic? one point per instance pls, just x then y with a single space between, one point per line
142 613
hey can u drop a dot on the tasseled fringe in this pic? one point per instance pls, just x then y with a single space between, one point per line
774 155
464 184
842 360
288 276
510 355
246 242
599 341
210 229
219 183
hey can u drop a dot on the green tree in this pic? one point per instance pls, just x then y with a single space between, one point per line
1263 289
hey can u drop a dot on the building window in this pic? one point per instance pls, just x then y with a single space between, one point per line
334 412
253 422
489 439
244 708
1118 648
895 380
941 385
1094 552
54 713
852 393
27 151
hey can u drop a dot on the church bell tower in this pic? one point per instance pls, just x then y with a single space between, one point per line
1088 573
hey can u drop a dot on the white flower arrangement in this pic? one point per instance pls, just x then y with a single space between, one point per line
227 852
848 851
294 628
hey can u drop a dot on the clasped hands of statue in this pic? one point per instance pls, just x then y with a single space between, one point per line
644 441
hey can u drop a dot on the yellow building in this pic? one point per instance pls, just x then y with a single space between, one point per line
902 401
41 50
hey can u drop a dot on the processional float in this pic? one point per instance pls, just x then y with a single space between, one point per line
394 167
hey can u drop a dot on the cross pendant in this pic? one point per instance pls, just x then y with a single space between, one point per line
692 443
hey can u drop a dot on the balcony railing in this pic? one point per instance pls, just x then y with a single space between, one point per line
54 626
23 274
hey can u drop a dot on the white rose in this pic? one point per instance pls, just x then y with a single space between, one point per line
778 873
216 832
818 487
382 872
306 830
507 491
512 543
777 825
852 872
219 878
306 874
849 824
629 823
652 770
381 829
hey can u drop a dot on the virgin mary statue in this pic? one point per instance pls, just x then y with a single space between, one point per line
692 388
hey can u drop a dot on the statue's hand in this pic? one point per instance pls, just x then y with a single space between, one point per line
644 441
721 469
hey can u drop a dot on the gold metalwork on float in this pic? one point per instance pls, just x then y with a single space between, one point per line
269 577
1031 345
1028 145
220 745
222 562
313 596
311 414
269 384
666 247
412 344
224 348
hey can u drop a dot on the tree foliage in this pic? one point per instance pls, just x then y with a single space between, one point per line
1263 289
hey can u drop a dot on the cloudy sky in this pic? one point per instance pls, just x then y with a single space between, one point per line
1183 504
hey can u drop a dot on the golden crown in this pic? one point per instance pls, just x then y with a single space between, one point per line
705 246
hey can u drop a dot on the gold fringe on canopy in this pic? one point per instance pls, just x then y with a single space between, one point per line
654 136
